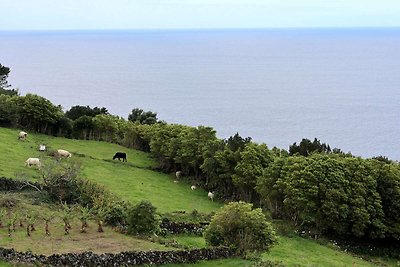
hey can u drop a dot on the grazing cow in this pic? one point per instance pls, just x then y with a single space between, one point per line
193 187
33 161
119 156
178 174
211 196
22 135
42 148
63 153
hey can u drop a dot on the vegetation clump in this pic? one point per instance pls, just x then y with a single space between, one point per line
143 219
242 227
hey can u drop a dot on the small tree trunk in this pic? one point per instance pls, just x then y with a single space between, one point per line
47 229
13 227
66 229
100 228
9 231
28 231
83 228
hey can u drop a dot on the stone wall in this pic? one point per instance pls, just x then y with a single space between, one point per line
120 259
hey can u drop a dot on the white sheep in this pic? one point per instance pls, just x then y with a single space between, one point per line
193 187
178 174
22 135
42 147
33 161
63 153
211 196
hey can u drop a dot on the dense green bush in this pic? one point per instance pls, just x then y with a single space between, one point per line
242 227
117 214
143 219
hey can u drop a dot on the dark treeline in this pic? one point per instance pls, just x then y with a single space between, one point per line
311 185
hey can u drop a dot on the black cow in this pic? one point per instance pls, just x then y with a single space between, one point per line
119 156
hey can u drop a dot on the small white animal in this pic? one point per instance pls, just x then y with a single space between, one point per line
42 147
178 174
193 187
22 135
63 153
33 161
211 196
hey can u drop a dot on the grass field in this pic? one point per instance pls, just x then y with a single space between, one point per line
133 181
293 251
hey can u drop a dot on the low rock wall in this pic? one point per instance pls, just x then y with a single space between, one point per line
121 259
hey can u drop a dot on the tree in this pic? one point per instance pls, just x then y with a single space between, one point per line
47 217
306 147
83 127
142 219
61 180
84 215
4 71
106 127
67 216
143 117
253 160
242 227
76 112
36 112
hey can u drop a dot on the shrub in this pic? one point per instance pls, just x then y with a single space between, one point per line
240 226
142 219
117 214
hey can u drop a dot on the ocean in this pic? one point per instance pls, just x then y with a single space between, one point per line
277 86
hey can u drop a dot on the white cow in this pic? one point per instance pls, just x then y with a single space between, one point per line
22 135
33 161
63 153
211 196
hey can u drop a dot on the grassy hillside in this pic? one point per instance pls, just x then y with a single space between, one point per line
133 181
291 251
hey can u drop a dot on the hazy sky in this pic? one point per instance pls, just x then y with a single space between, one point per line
178 14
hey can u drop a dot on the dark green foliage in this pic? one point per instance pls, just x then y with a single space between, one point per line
142 117
383 159
334 194
36 113
76 112
61 180
242 227
4 71
143 219
306 147
237 142
117 213
9 92
83 127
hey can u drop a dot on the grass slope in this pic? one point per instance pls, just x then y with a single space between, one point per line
133 181
291 251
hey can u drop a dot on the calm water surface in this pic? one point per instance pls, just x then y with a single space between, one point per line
277 86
